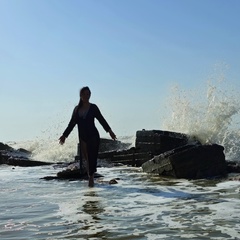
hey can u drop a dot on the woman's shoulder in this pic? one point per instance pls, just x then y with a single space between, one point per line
75 108
93 105
94 108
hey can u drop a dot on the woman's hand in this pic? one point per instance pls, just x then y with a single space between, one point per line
62 140
112 134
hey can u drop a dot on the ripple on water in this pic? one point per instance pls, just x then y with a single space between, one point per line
140 206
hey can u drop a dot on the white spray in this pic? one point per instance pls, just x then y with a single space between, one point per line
211 117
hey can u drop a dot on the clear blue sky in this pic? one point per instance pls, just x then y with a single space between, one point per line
129 52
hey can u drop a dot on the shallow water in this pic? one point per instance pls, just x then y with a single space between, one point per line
140 206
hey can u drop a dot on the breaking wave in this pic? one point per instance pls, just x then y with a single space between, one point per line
210 115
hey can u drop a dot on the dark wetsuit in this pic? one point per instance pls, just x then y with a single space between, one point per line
88 132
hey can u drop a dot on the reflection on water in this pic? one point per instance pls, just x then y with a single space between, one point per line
92 205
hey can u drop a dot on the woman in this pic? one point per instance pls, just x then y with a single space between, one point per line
83 115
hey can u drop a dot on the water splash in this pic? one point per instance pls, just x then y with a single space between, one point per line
49 150
211 117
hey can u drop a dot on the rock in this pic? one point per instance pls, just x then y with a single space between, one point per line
69 174
133 157
190 162
113 181
157 141
163 152
5 147
147 144
22 150
23 162
233 167
234 178
110 145
20 157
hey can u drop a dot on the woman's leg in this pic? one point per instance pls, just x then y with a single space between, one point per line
84 153
92 149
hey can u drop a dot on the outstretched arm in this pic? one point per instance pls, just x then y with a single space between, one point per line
104 123
112 134
62 140
69 128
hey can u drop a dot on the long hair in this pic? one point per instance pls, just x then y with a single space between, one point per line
80 103
81 91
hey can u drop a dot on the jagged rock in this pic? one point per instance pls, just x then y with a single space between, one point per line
190 162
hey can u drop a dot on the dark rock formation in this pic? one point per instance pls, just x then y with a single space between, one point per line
234 178
157 141
162 152
20 157
147 144
110 145
5 147
190 162
22 162
233 167
133 157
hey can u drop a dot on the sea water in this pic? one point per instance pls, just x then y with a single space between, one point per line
140 205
